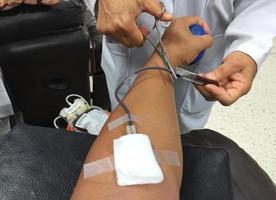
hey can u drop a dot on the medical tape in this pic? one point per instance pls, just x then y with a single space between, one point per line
167 157
98 167
121 120
106 165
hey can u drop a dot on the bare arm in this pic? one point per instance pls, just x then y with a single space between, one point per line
152 97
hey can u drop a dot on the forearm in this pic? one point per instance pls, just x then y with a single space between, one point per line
151 97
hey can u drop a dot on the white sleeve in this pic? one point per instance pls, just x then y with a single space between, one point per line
252 29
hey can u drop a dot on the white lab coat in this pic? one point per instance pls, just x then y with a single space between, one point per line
236 25
6 109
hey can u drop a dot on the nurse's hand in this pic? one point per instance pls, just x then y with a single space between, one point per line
181 46
235 76
117 19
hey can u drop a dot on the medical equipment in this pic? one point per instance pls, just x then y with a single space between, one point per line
176 73
161 51
123 119
135 162
180 72
107 164
75 109
134 159
193 77
131 127
82 117
92 121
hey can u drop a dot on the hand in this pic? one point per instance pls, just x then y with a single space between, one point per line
181 46
117 19
235 76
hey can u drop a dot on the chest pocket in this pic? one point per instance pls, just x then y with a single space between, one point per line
218 14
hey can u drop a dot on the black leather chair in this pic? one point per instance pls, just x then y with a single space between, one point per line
44 55
42 163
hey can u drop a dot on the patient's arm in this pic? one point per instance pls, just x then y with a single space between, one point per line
152 97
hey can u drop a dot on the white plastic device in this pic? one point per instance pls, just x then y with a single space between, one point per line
93 121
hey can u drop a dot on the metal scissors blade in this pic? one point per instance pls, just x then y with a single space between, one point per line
161 51
194 77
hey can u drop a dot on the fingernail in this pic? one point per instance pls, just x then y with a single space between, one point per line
206 28
210 75
209 86
168 15
144 30
201 74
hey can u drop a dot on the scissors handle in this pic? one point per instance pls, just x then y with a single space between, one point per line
205 81
194 77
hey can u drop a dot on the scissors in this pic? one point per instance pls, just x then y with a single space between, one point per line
161 52
177 72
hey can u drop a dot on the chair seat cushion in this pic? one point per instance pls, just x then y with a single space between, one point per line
28 21
41 163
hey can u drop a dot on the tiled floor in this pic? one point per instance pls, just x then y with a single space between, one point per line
251 122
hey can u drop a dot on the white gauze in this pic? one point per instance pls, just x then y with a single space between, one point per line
135 162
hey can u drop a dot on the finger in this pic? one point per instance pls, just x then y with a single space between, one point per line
225 97
205 41
154 8
120 38
206 28
135 36
222 71
207 96
191 20
130 36
144 30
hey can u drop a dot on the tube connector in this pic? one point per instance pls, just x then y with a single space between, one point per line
131 129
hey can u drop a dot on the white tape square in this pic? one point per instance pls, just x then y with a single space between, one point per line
135 162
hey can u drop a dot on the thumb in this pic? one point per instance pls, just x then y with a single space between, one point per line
154 8
222 71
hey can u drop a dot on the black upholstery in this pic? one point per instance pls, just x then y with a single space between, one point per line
43 163
206 174
28 21
248 180
44 55
40 163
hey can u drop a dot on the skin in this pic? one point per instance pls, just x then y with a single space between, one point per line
174 41
160 124
118 20
235 75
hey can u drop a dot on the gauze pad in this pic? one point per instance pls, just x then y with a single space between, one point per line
135 162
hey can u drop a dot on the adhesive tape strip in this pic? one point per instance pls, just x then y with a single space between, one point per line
121 120
98 167
167 157
107 164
